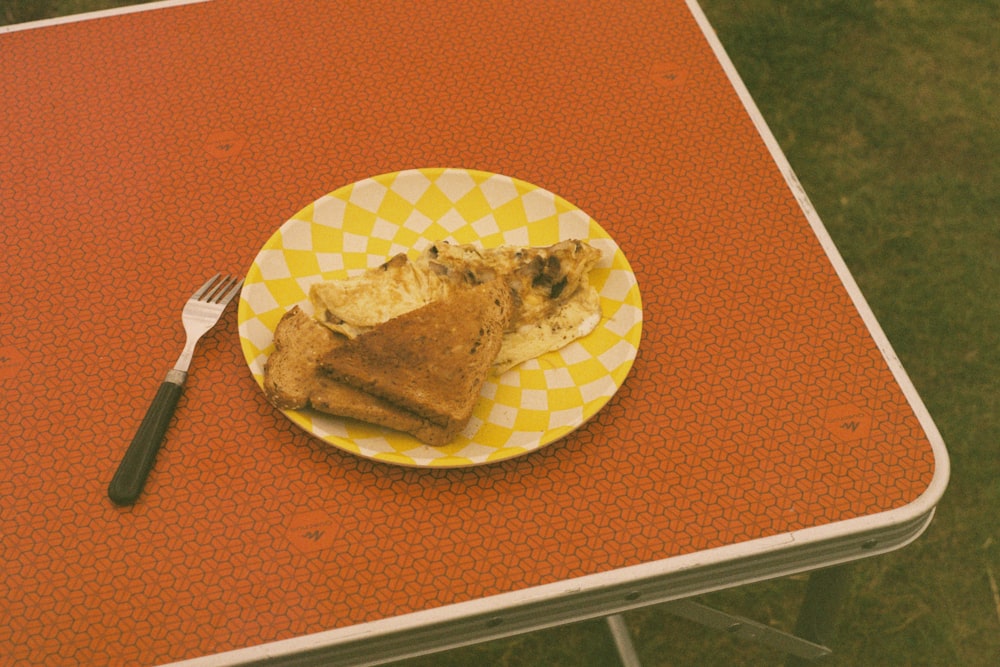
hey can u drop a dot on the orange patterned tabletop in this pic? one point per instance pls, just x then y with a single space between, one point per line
764 427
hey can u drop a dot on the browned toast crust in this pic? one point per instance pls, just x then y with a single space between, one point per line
292 381
431 361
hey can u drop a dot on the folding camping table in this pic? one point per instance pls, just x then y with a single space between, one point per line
761 427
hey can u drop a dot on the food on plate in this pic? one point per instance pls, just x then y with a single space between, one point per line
554 302
409 344
292 381
431 361
356 304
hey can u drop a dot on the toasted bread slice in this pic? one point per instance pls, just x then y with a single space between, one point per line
431 361
291 382
290 372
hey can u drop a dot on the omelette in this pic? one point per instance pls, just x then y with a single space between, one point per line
554 301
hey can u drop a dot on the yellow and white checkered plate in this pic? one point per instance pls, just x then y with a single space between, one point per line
361 225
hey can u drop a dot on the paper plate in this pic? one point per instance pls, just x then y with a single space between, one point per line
360 226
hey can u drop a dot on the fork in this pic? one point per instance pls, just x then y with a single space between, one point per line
201 312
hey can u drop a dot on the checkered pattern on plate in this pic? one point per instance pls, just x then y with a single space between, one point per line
361 225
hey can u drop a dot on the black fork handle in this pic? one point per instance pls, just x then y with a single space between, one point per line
131 475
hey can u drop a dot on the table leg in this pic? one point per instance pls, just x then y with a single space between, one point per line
825 594
623 641
745 628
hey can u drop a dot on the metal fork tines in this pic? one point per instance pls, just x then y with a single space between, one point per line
201 312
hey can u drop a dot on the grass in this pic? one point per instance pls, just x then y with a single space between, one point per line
21 11
886 109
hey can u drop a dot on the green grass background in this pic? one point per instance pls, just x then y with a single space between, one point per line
888 112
